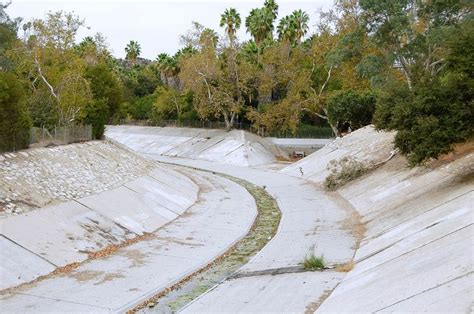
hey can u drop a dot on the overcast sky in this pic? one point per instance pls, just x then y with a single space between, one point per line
155 24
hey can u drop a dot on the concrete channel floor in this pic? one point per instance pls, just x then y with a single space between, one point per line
312 221
223 214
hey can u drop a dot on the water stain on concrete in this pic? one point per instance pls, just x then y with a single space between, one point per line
109 277
136 257
85 275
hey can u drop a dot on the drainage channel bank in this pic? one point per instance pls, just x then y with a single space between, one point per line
264 228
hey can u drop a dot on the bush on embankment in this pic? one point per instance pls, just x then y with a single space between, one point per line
15 121
437 110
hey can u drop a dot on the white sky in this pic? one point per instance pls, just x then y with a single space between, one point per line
155 24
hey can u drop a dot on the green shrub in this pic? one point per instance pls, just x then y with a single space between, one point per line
15 121
351 109
438 111
429 119
96 113
43 108
140 108
105 85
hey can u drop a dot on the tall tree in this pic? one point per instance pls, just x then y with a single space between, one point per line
285 29
105 86
209 36
259 24
430 42
132 50
51 63
218 81
93 49
168 67
292 28
409 32
299 20
8 36
230 19
14 119
272 7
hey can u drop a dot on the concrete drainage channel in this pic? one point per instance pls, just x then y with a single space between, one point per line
230 265
117 282
164 262
226 266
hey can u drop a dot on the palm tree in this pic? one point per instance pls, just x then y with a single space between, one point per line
209 37
249 51
231 20
286 29
300 20
184 52
88 41
271 6
259 24
169 69
132 51
166 64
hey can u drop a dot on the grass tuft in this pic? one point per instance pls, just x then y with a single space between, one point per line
312 262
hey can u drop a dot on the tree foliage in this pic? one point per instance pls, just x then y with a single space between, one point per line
350 110
132 50
14 119
432 109
105 86
171 104
416 56
230 19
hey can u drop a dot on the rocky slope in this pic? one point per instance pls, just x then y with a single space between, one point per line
38 177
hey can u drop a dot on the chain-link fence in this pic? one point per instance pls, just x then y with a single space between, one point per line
305 131
200 124
40 137
314 132
14 140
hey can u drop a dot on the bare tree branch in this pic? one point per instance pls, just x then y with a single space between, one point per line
327 80
40 72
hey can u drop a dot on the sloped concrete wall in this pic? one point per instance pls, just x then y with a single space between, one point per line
235 147
366 145
18 265
418 248
36 242
417 253
306 145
